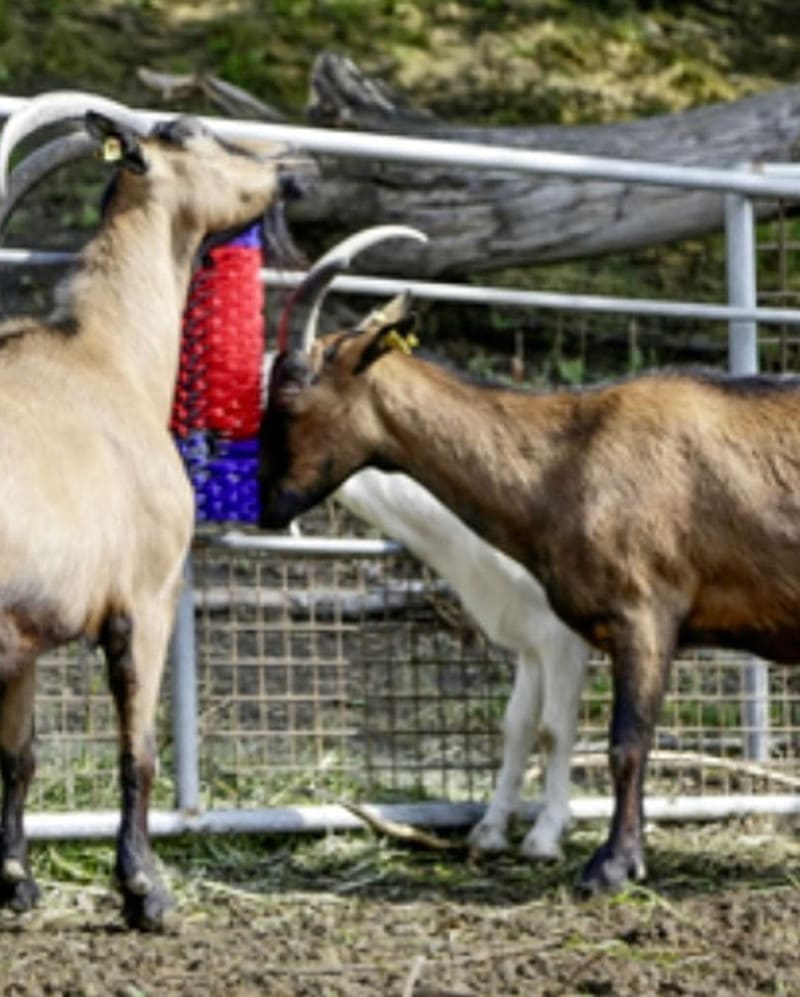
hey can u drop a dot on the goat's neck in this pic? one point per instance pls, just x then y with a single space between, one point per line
128 296
484 452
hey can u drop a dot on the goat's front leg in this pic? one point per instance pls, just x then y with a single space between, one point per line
639 670
135 651
519 727
18 889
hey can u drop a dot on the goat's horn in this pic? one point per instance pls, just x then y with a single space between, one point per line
317 281
49 108
39 164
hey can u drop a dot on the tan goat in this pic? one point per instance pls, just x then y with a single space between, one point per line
660 512
96 512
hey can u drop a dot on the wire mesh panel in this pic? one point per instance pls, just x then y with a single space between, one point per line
76 735
327 678
322 675
778 261
324 678
77 743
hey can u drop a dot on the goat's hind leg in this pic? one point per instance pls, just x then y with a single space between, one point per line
18 890
135 653
640 664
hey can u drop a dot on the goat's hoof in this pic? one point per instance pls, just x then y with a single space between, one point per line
487 839
607 871
13 871
148 911
19 894
540 849
139 884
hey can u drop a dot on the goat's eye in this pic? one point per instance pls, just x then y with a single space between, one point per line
331 351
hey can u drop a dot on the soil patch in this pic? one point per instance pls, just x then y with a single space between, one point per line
353 915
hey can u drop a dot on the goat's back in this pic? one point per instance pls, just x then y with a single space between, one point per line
686 488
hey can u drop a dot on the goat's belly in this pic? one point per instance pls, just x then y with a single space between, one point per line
25 633
762 623
782 646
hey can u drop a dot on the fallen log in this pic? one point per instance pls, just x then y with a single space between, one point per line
480 221
485 220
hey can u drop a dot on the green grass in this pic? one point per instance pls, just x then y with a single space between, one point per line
753 855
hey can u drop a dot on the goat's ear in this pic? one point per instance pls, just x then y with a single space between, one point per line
389 327
396 334
118 143
395 310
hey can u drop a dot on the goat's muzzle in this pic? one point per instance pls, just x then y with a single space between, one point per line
277 511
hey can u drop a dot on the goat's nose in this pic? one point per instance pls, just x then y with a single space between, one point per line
295 368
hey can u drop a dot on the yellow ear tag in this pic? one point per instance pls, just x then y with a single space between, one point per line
396 341
111 150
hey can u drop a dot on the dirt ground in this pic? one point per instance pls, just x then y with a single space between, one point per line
355 915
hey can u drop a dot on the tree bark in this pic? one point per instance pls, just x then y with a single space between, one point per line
481 220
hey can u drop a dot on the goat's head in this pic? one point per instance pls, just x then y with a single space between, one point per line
319 424
207 186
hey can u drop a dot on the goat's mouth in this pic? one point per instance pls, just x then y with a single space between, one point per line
279 505
278 509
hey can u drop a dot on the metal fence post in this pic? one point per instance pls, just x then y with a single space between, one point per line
742 360
183 664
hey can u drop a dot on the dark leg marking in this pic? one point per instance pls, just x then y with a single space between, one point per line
18 890
639 673
145 899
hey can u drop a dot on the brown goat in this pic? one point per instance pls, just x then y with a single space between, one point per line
660 512
96 512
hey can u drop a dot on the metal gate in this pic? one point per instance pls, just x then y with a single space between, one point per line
313 672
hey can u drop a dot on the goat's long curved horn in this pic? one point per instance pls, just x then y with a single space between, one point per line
39 164
50 108
317 281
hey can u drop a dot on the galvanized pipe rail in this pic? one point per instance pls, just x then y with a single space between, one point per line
753 182
484 294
